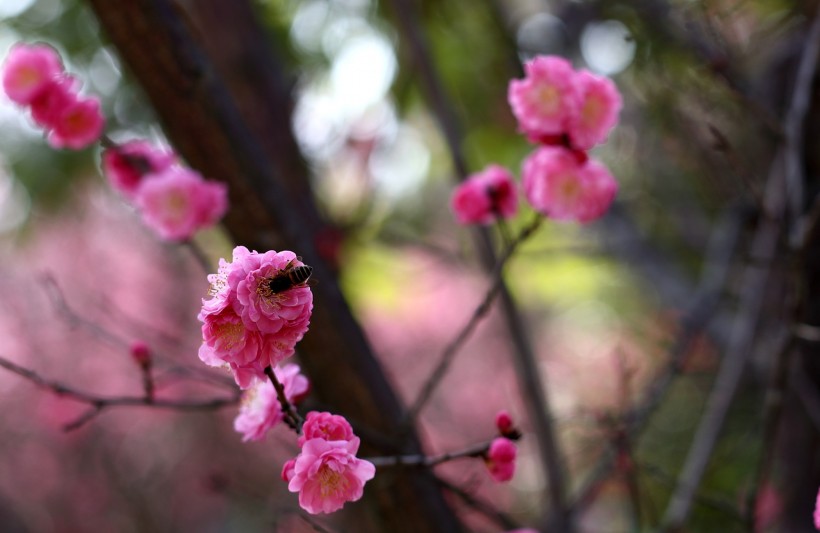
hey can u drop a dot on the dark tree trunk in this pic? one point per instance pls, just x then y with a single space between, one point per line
225 103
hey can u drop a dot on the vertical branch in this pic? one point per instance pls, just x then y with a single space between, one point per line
754 282
528 372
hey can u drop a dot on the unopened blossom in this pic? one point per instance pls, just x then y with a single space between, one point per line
141 353
261 410
500 459
599 103
327 474
126 165
563 187
503 421
485 196
77 125
544 100
325 426
28 70
178 202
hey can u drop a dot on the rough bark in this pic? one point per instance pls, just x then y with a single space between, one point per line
225 103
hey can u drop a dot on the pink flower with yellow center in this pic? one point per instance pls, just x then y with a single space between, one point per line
327 474
77 125
178 202
28 71
543 101
597 113
562 187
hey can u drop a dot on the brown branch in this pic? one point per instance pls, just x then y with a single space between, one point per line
99 403
754 282
428 461
534 394
292 418
485 508
450 351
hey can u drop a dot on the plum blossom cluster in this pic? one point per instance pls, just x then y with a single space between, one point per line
33 76
249 323
566 112
327 473
174 201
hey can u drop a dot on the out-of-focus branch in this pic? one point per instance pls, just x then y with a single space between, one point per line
534 394
483 507
717 264
99 403
754 282
450 351
428 461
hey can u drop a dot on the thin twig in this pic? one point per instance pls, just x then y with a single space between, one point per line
292 417
450 351
428 461
717 265
99 402
485 508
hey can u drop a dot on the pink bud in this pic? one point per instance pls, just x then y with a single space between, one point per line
141 353
288 470
503 422
500 459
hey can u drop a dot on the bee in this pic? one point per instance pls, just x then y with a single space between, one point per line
289 277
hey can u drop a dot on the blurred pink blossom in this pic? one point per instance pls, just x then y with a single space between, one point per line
544 100
484 196
327 474
325 426
126 165
28 71
501 459
56 96
177 202
817 511
77 125
260 409
597 113
557 185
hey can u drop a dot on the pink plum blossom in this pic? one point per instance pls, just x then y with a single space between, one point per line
544 100
327 474
484 196
261 409
128 164
49 104
559 185
249 340
177 202
597 112
325 426
77 125
267 311
28 71
500 459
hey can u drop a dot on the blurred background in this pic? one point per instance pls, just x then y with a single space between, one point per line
630 316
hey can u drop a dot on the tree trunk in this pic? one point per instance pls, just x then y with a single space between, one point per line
207 68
